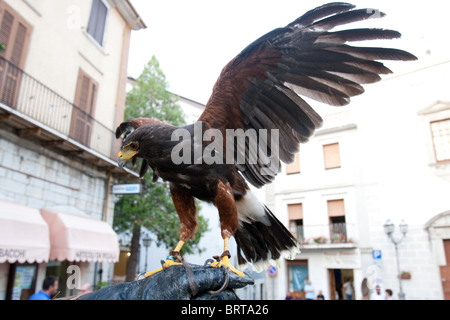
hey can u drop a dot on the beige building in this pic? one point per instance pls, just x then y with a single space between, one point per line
63 74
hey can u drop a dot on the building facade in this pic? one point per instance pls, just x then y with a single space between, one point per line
386 156
62 94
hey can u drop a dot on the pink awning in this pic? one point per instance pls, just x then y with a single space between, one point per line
75 238
24 235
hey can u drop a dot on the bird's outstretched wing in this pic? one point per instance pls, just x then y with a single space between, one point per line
261 87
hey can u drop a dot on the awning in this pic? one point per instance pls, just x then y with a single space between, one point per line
76 238
24 235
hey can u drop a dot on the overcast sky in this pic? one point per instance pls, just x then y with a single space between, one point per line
194 40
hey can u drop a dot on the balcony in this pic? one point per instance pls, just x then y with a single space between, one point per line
36 111
335 235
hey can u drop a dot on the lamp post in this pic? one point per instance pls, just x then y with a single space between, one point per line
389 230
146 242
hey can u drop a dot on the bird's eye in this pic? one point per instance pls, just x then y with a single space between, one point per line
133 145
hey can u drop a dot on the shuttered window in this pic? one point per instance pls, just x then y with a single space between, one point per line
14 35
83 110
338 226
336 208
295 166
6 26
332 158
295 212
97 21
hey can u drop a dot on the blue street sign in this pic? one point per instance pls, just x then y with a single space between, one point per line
376 254
126 188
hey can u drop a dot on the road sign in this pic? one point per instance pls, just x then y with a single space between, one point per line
272 270
126 188
376 254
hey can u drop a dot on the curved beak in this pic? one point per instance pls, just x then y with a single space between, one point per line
123 158
121 163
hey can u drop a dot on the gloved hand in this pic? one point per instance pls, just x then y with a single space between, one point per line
173 284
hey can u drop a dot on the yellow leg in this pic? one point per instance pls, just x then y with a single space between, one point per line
225 261
179 246
170 261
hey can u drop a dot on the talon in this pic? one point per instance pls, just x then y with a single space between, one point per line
225 262
170 261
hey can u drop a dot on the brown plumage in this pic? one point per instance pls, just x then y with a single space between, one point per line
261 88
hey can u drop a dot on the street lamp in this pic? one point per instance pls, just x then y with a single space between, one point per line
389 230
146 242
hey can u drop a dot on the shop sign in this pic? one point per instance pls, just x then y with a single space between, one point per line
12 253
344 259
92 255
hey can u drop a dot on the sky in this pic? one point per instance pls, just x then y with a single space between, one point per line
193 40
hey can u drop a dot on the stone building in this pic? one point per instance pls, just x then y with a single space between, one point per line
62 94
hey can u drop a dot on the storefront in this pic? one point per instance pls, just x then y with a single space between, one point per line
328 269
24 250
38 243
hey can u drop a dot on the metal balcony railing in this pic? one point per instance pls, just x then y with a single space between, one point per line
27 95
324 234
338 232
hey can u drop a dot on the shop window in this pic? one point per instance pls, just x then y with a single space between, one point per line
21 281
297 278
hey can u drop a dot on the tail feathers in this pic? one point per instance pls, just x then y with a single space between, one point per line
261 243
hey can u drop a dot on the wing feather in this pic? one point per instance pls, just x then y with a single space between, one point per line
261 88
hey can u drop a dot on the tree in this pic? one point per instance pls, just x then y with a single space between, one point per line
153 208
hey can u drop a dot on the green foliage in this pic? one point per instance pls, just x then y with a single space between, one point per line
154 209
2 46
150 98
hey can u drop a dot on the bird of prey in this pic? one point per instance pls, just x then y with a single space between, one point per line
259 91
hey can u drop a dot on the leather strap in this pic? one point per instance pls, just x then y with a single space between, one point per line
189 273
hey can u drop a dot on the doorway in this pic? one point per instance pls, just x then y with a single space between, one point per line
445 271
337 278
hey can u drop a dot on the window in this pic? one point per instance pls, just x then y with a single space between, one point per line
297 276
14 35
440 132
97 21
85 98
336 214
332 158
295 166
295 212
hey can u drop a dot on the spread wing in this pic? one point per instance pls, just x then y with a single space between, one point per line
261 88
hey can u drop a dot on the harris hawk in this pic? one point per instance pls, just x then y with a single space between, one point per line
260 91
